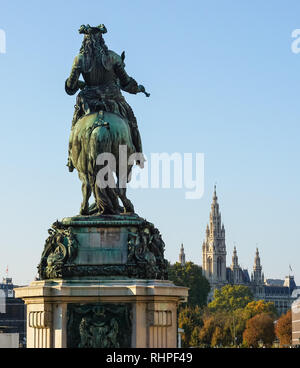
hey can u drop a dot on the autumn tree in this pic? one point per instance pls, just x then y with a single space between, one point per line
215 330
221 336
190 319
230 301
230 298
283 329
207 331
259 327
190 275
237 323
195 340
259 306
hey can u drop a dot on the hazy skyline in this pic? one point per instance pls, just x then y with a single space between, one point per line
223 81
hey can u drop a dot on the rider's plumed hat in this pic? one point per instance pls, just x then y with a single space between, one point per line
92 30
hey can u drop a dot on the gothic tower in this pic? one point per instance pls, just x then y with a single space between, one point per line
237 272
235 267
214 248
182 256
257 277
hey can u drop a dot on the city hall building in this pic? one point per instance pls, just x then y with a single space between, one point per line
215 269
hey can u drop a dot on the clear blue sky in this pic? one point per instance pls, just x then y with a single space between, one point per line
223 81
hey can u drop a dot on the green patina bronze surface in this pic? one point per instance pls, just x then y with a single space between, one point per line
104 247
113 220
105 240
99 325
102 121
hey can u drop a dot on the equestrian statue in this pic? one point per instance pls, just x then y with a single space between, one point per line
102 123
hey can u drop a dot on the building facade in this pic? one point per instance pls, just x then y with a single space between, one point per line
12 312
215 269
296 322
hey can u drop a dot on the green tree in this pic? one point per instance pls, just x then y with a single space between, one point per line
190 320
190 275
259 327
230 298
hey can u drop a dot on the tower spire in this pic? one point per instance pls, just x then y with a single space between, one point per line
257 275
182 256
214 248
215 198
234 257
235 268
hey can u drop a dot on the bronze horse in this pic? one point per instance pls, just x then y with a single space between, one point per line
95 134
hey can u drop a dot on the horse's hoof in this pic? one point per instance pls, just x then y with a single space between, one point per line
84 212
128 210
109 212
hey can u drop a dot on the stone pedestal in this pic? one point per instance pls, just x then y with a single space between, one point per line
125 246
102 284
102 313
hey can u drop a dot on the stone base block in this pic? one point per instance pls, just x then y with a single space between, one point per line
102 313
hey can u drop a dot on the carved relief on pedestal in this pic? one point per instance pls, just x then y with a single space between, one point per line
104 248
99 325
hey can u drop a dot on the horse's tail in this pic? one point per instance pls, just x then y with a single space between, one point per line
94 137
99 143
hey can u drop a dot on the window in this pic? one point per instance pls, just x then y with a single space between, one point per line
209 266
219 267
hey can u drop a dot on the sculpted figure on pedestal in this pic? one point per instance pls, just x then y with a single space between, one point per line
102 122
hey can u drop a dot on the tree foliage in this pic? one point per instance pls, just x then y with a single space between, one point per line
232 307
190 320
190 275
195 337
242 315
259 306
233 317
207 331
216 330
230 298
283 329
259 328
238 325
